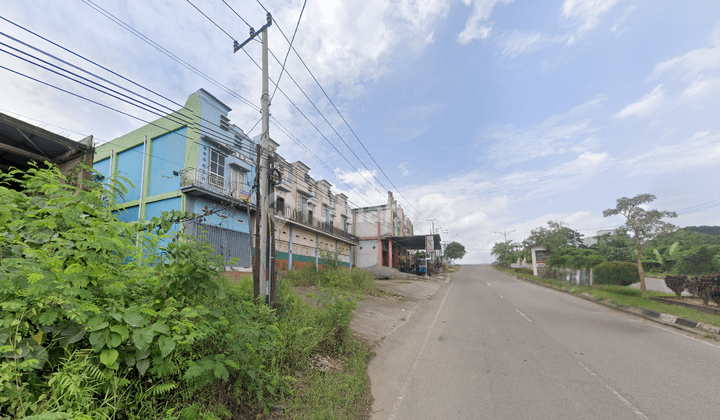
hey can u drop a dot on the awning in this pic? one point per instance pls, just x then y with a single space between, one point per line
21 142
415 241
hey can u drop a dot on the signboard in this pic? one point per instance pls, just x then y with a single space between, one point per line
429 243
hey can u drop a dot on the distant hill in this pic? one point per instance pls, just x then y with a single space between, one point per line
708 230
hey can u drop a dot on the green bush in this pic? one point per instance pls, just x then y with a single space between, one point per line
699 260
524 271
616 272
100 319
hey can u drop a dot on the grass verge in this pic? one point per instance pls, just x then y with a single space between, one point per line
352 280
623 295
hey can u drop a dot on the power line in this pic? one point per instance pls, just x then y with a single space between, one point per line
189 123
174 57
213 22
289 49
190 127
340 114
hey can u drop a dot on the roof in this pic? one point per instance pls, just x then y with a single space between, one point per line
215 99
415 241
21 142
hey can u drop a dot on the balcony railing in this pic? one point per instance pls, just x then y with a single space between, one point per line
306 219
214 183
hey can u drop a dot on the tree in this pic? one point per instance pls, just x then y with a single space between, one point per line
455 251
506 252
576 258
644 224
617 246
555 237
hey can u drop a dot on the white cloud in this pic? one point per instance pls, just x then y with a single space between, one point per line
518 43
585 14
699 87
702 149
558 134
645 106
694 62
478 25
404 169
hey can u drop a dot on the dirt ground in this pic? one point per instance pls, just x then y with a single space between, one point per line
378 316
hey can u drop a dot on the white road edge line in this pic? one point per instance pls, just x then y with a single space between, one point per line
665 328
406 384
501 296
627 403
530 320
489 284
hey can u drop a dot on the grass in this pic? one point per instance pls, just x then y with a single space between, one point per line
623 295
309 330
352 280
339 395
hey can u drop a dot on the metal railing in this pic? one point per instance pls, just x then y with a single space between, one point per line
306 219
212 182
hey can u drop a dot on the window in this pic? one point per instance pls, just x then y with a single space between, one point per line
217 169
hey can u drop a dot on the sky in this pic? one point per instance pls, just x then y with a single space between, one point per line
485 115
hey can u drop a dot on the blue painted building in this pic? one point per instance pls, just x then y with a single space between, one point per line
191 160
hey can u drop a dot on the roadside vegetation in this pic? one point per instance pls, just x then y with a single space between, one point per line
103 319
620 295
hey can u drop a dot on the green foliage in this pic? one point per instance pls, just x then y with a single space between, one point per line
699 260
617 246
555 237
524 271
330 259
455 251
506 253
615 273
99 319
575 258
355 279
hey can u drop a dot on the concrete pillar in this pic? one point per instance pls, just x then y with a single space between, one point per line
390 253
317 253
379 243
290 249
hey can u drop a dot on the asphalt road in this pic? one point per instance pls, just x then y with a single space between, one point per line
491 347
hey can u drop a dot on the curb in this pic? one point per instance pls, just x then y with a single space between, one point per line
662 318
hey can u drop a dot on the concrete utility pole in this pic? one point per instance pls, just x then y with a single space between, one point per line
265 286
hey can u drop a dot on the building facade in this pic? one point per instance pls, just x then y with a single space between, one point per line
375 227
310 219
191 160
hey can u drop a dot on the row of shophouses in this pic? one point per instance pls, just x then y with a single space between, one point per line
196 160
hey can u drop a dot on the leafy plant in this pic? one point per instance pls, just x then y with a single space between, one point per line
615 272
676 283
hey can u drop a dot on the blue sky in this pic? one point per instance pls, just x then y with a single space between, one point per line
488 115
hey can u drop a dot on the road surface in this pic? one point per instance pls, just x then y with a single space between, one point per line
491 347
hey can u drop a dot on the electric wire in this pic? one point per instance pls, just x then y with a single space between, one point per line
339 113
164 116
169 54
157 46
213 22
282 69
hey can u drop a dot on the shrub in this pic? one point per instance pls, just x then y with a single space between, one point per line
676 283
705 287
522 270
616 272
699 260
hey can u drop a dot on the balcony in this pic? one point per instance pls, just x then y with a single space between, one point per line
203 182
303 218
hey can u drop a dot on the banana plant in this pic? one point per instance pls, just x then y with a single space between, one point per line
671 252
